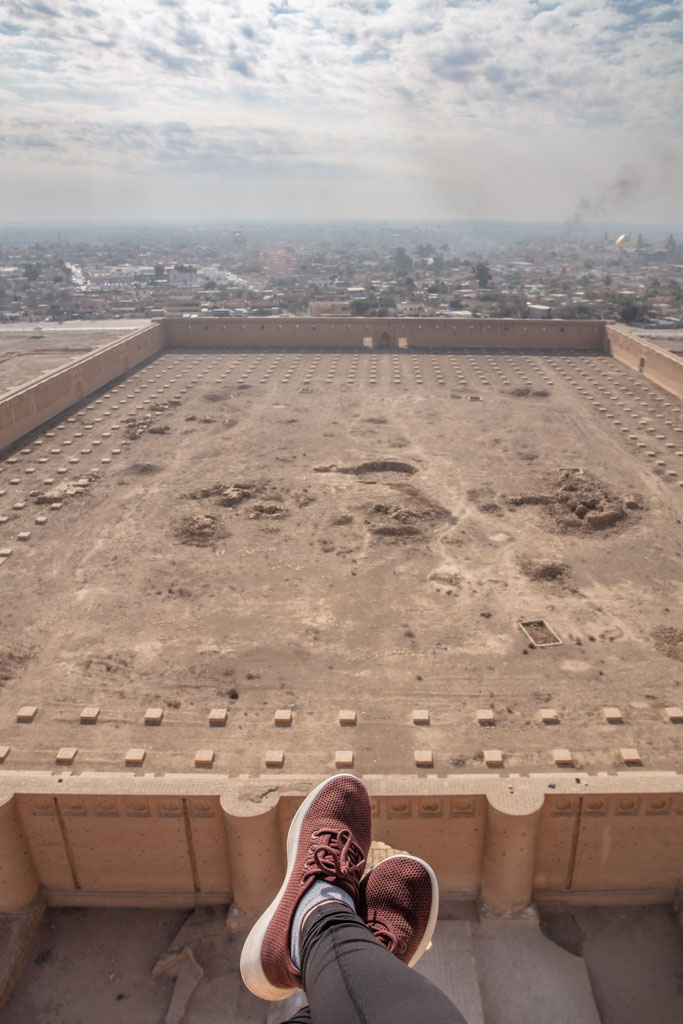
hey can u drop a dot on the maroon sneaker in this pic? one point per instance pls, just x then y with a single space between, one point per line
399 901
329 840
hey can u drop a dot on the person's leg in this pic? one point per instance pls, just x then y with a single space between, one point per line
327 847
351 978
349 974
302 1016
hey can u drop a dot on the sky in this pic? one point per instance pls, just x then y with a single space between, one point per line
341 109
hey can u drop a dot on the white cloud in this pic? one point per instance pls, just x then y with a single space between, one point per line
404 96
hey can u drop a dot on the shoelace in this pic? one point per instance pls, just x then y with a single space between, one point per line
335 856
387 937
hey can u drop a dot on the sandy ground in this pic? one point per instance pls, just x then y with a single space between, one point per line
30 350
318 531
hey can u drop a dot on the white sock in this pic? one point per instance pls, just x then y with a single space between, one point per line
318 893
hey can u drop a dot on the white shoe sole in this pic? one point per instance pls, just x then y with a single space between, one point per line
251 966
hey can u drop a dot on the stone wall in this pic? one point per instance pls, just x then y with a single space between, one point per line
662 368
37 402
127 840
351 332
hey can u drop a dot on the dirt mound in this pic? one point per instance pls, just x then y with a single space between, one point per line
229 495
415 516
531 499
387 530
12 658
373 466
61 492
382 466
209 491
544 570
235 494
200 531
261 509
238 493
669 640
214 396
579 501
529 393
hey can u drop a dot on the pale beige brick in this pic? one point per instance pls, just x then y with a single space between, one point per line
135 756
493 758
204 759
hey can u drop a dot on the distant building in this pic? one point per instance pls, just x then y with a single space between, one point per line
328 307
537 312
184 278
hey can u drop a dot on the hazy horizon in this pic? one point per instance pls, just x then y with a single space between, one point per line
318 110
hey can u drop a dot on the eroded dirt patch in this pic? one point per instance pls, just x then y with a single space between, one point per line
60 492
142 469
529 393
136 425
107 663
484 499
669 640
12 657
449 577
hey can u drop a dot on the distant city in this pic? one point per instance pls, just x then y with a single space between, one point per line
460 270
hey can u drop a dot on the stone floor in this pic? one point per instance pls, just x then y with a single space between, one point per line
606 966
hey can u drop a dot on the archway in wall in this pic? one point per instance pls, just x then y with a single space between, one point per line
384 340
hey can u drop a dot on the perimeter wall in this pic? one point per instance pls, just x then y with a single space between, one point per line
37 402
135 840
386 332
662 368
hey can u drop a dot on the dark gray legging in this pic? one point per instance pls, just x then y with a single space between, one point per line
350 978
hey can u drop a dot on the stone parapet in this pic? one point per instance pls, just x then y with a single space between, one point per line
37 402
382 333
175 840
40 400
658 366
